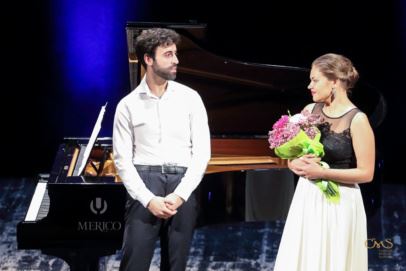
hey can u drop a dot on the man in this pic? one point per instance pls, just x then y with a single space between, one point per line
161 146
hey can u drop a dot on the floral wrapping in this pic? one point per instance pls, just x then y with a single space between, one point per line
294 136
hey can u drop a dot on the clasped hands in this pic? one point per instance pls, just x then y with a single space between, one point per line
165 207
307 166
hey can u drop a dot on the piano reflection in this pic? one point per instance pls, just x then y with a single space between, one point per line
76 212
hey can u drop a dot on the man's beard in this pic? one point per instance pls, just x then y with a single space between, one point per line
164 73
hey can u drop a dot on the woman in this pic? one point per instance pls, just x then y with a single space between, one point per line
320 235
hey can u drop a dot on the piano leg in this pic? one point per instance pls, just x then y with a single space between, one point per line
85 259
229 181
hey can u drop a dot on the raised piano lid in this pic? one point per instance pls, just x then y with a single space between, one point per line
96 129
243 99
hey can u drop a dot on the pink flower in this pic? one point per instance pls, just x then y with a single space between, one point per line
287 127
281 122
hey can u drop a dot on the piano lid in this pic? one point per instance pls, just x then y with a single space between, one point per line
80 166
242 98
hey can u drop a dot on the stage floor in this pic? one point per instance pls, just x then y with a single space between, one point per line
241 246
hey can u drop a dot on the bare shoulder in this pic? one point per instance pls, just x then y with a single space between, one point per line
360 118
360 124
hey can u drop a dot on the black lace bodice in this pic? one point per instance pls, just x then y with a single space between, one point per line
336 138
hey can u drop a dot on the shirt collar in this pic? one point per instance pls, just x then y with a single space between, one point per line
145 90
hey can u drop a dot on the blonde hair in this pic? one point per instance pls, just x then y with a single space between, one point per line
335 66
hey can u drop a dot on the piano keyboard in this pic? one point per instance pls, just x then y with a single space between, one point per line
39 205
43 210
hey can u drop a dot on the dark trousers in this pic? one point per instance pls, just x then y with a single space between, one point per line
142 228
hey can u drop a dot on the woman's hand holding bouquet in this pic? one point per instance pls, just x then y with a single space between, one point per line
302 165
297 136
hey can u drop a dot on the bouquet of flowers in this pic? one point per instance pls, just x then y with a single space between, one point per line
294 136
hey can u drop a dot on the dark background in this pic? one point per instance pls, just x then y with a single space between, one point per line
40 104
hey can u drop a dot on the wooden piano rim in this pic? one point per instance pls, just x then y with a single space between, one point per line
236 159
223 163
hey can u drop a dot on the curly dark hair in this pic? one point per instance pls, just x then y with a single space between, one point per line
150 39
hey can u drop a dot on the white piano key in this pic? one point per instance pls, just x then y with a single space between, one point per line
36 202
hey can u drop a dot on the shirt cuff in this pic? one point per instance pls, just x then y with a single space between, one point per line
182 193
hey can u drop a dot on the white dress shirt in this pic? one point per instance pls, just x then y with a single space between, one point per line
172 129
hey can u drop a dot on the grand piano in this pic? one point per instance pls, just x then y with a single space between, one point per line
76 212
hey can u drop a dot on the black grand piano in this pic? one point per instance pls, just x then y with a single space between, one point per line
76 212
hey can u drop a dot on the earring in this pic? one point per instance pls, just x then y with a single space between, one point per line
333 93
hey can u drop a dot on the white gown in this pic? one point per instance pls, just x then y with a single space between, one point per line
322 236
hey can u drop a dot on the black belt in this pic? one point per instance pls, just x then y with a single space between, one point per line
165 169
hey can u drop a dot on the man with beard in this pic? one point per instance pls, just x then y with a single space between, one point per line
161 146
